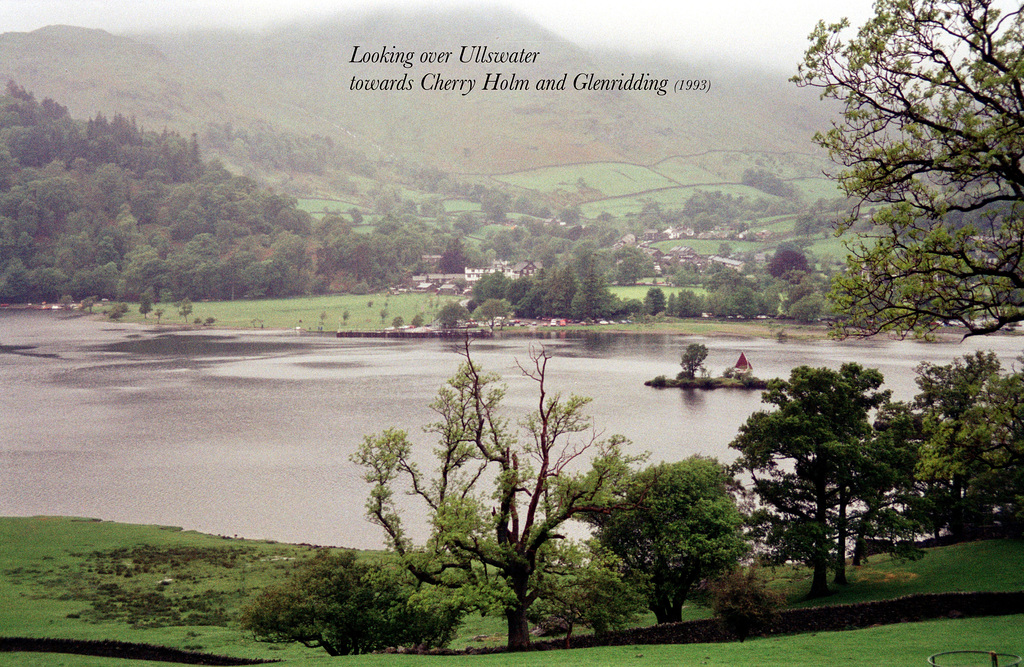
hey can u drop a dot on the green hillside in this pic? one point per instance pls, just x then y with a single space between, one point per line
87 579
251 97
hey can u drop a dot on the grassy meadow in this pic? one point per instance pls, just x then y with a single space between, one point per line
364 313
86 579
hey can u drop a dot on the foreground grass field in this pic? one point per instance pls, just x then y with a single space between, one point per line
904 645
85 579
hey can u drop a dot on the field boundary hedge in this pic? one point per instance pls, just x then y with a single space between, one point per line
906 609
118 649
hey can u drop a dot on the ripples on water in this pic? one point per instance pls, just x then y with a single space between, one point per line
249 433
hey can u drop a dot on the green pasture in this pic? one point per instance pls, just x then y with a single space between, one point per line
612 179
59 574
364 312
683 171
70 577
903 645
710 246
728 165
460 206
813 189
324 206
670 197
486 231
626 292
830 246
779 225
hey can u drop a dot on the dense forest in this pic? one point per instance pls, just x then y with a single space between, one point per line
103 208
107 209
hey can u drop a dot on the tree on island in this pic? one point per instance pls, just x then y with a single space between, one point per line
498 500
932 129
693 360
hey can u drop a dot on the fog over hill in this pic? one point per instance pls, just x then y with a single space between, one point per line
299 79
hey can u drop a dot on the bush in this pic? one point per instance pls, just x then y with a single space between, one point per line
348 607
742 602
117 311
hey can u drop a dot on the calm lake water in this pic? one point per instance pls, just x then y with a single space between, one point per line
249 433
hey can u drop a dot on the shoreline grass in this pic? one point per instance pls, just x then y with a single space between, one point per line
327 314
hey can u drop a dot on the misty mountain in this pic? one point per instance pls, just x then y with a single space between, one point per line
298 79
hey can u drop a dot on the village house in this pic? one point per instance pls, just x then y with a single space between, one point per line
725 261
432 282
512 271
628 239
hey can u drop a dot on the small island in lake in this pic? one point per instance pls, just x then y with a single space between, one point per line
740 376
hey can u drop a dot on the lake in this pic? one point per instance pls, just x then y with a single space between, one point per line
249 433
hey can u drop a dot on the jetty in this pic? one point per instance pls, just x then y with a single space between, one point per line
417 333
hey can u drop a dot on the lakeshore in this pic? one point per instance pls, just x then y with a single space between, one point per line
360 315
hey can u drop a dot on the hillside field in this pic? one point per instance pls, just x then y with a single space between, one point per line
72 578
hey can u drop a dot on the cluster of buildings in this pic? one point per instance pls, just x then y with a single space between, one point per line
457 283
676 256
664 261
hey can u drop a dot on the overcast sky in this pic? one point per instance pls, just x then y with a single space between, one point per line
772 31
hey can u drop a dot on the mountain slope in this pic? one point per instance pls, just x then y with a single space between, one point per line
298 78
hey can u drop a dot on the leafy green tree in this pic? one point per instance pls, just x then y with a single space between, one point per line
559 291
808 309
591 300
451 314
589 590
931 129
654 301
681 526
632 265
806 461
184 308
972 452
453 259
497 499
492 312
688 304
491 286
146 303
693 360
348 606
